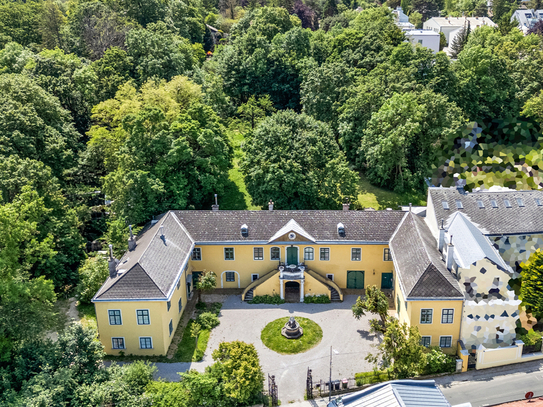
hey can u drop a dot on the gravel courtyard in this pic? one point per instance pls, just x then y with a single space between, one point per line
242 321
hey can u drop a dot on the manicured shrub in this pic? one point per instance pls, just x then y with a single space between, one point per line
439 362
377 376
208 320
267 299
317 299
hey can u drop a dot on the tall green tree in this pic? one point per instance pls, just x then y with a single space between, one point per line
256 109
20 22
374 302
460 40
294 160
531 289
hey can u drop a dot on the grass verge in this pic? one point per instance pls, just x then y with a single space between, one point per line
370 196
272 338
87 315
188 351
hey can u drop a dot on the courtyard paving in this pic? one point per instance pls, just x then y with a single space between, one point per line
349 338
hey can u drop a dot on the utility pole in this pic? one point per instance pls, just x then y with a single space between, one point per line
330 383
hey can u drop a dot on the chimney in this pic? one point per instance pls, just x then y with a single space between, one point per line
112 263
270 205
441 239
346 206
216 206
450 253
161 230
131 240
410 206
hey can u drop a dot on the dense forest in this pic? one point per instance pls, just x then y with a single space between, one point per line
114 111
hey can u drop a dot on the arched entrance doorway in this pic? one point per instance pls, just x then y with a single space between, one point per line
292 291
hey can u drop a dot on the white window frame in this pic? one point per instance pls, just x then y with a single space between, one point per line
389 254
330 275
426 336
254 279
233 254
148 315
329 254
254 256
312 251
356 248
445 336
150 337
109 319
226 277
447 309
271 250
118 337
199 249
432 320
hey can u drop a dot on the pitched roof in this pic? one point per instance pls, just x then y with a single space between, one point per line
470 244
291 226
321 225
461 21
420 270
527 219
152 269
396 393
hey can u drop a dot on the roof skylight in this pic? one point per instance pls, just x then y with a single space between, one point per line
520 202
445 204
538 202
507 203
480 204
459 204
494 203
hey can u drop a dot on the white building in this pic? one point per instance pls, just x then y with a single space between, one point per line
402 19
527 18
426 38
446 25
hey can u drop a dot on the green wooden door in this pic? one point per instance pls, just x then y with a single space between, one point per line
355 279
292 255
386 280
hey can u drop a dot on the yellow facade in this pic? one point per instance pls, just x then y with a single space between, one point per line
131 331
410 312
244 265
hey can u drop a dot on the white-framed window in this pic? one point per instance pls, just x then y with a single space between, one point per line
169 304
447 316
324 254
196 253
386 255
330 277
426 315
258 253
275 253
170 326
309 253
146 342
229 253
426 341
117 343
230 276
115 317
143 317
254 277
356 254
180 304
445 341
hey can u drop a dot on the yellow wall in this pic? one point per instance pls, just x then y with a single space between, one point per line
314 287
158 329
270 286
340 262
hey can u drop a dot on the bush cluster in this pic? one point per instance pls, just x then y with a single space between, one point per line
439 362
377 376
317 299
267 299
532 338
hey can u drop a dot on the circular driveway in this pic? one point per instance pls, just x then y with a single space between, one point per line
349 338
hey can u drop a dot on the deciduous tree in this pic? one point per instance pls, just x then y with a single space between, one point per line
374 302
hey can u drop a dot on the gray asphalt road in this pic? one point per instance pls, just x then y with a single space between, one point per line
495 387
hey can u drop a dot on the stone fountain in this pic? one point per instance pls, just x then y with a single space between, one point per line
292 329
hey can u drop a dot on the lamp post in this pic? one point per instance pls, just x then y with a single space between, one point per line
330 382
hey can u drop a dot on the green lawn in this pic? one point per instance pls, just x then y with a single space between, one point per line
187 350
370 196
272 338
87 315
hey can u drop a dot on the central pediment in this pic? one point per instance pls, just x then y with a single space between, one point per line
292 231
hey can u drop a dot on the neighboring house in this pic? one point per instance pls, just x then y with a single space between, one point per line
289 253
426 38
402 20
396 393
447 25
527 18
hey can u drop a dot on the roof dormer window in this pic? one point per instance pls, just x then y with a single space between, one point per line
244 230
459 204
520 202
341 230
480 204
494 203
507 203
538 202
445 204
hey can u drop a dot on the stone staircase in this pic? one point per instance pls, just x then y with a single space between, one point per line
334 295
248 293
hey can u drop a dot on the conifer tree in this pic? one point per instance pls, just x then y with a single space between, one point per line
460 41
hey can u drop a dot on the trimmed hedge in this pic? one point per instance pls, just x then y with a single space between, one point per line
317 299
267 299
